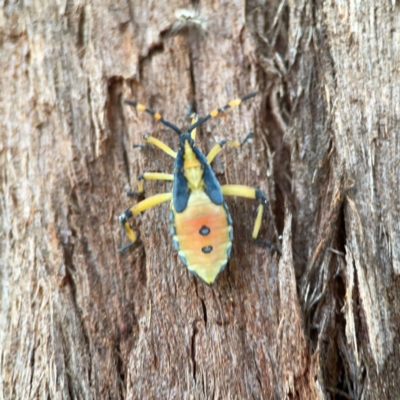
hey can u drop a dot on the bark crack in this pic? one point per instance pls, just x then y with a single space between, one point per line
193 106
125 156
121 371
68 252
154 49
203 305
80 41
91 121
193 349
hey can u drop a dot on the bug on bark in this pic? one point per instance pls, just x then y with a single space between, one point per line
201 226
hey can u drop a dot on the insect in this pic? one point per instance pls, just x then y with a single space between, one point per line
201 226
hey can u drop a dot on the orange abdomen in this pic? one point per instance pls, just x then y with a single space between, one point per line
203 236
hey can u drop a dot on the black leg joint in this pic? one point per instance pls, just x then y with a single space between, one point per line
131 193
123 249
264 243
124 217
142 146
261 196
222 143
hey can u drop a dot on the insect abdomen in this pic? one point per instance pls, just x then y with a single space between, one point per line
203 236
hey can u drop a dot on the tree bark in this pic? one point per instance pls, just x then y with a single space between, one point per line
315 319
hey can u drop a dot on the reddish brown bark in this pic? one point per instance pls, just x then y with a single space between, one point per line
78 320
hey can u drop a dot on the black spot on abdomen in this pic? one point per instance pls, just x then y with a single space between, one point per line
207 249
204 230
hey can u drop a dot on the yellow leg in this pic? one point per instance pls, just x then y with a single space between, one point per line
155 176
136 209
250 193
157 143
218 147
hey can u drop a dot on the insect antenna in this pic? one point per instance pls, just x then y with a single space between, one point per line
215 112
155 115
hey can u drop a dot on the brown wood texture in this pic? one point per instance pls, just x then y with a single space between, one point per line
318 321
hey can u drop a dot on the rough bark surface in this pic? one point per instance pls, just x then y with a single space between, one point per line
319 319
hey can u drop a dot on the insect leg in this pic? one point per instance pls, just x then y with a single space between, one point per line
136 209
155 115
147 176
218 147
158 143
250 193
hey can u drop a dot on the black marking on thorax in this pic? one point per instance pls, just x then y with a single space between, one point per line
180 191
